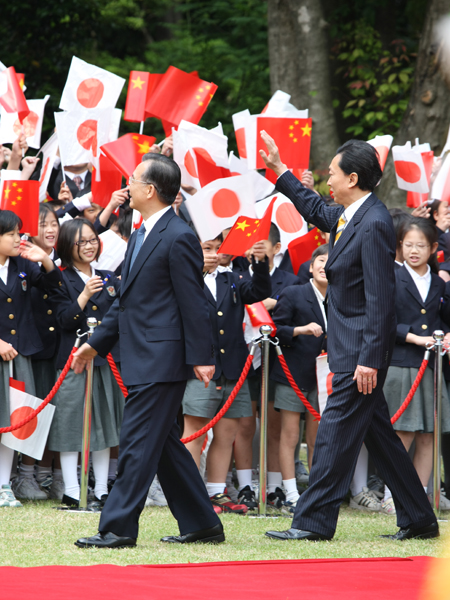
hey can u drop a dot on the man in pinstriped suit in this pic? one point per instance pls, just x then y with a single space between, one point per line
361 334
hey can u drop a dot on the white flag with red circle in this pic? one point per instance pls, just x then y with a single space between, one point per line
11 127
48 155
441 185
324 381
286 217
32 437
409 167
89 87
382 143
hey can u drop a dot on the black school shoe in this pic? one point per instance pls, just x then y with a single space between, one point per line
276 498
415 533
247 497
212 535
73 503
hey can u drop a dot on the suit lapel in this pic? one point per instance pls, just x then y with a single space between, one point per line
410 286
313 300
433 291
75 280
222 286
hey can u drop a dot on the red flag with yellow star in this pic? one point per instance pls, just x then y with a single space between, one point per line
127 151
301 249
136 96
179 96
110 181
246 232
292 136
22 198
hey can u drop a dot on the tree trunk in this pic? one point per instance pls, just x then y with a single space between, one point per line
298 57
428 114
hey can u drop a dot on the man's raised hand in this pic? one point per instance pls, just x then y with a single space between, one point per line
272 159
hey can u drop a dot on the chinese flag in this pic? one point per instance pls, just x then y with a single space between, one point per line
259 315
126 152
22 198
154 80
300 250
246 232
207 169
180 95
13 100
440 256
111 180
136 96
292 136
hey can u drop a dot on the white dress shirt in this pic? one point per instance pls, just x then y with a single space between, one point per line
72 175
151 221
320 300
4 271
351 210
85 278
422 282
211 283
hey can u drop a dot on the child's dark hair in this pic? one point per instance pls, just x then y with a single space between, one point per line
319 251
429 230
9 221
69 235
44 210
399 219
274 235
124 223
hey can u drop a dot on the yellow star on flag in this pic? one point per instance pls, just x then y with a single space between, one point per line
243 226
291 127
13 203
294 140
19 197
14 184
144 148
137 83
306 130
296 122
7 193
200 103
291 135
316 237
19 191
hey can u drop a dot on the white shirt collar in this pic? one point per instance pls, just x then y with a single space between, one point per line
351 210
4 271
278 258
151 221
223 269
85 278
72 175
416 276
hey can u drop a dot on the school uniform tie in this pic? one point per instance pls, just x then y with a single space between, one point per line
340 227
138 245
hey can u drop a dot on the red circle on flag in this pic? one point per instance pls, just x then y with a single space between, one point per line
288 218
383 152
29 125
408 171
225 203
240 141
90 92
87 135
189 163
27 430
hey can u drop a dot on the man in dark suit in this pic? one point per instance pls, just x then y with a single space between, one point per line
162 316
361 334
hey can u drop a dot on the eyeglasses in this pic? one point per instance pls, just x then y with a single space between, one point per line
419 247
93 242
131 180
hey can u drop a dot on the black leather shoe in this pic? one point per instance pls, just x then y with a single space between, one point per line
418 533
101 501
105 540
297 534
213 535
93 505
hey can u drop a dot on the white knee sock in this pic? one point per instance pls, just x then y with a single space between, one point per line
274 480
387 493
360 476
245 478
6 462
100 464
215 488
69 464
290 485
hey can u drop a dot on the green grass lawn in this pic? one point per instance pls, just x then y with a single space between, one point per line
40 535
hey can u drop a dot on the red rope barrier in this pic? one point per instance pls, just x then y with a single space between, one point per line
296 388
226 406
117 375
412 391
48 399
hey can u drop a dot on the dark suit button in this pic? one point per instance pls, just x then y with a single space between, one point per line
11 316
424 326
220 313
45 296
9 300
122 308
60 283
325 336
13 332
222 351
94 307
99 322
51 329
423 311
49 312
221 332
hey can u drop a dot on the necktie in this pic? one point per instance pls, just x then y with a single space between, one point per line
77 181
340 227
138 245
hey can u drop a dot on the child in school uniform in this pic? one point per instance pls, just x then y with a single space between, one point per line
418 301
227 293
301 328
85 293
19 337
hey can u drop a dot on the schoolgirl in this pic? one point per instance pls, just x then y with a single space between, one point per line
419 295
85 293
19 337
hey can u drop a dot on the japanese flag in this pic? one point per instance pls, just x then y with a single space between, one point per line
217 206
240 122
382 143
32 437
286 217
90 87
113 251
410 168
48 151
324 381
441 185
11 127
237 166
137 220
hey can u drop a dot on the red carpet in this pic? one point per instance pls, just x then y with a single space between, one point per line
336 579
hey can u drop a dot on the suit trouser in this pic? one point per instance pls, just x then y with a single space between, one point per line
150 444
350 418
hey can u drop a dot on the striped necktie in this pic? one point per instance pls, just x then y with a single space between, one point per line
138 245
340 227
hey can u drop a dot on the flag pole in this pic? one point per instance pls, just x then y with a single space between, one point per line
141 128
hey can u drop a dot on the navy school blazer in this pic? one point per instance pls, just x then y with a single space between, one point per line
71 318
17 321
360 273
279 280
297 306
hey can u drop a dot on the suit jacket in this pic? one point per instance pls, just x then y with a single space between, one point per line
297 306
360 273
17 322
71 318
56 179
227 313
161 311
415 316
